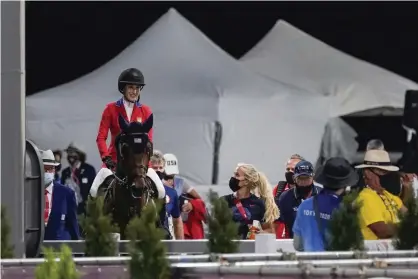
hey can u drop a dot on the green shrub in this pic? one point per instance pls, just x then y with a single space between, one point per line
407 236
148 253
6 247
98 229
222 229
63 269
344 226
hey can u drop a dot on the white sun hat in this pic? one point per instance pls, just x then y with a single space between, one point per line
377 159
48 158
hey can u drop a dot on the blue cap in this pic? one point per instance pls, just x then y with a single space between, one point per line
304 168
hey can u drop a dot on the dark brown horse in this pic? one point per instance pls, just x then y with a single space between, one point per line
130 189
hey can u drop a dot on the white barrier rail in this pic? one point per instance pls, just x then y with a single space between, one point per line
395 256
200 246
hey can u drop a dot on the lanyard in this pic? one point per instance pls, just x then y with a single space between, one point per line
240 208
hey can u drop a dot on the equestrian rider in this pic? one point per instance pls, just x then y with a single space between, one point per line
130 84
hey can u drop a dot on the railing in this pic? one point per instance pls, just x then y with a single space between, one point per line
106 268
200 246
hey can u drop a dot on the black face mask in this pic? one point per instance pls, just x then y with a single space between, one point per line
303 191
289 177
72 160
58 168
160 174
391 182
233 184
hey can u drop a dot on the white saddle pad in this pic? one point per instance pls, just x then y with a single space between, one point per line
105 172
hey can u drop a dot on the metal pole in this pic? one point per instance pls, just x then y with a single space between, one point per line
13 117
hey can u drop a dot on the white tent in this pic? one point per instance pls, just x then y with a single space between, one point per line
289 54
352 86
191 83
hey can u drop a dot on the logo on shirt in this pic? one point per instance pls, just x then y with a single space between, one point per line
139 119
167 199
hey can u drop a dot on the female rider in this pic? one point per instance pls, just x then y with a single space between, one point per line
130 84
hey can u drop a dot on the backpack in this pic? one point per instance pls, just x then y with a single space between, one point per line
280 189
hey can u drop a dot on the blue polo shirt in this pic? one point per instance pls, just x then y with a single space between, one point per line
254 208
305 225
172 205
288 205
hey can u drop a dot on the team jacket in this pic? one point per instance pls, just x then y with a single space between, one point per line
110 122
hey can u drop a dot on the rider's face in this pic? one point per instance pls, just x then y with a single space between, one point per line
132 92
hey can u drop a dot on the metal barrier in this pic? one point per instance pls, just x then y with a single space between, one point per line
107 268
200 246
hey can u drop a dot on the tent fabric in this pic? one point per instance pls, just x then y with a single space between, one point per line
191 83
289 54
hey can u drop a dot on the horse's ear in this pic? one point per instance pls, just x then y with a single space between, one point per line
147 125
123 124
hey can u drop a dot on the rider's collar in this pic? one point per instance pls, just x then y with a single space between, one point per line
120 103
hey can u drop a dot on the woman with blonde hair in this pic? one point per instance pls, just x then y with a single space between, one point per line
252 199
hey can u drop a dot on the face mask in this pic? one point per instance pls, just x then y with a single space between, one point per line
48 178
289 177
72 160
304 191
58 168
391 182
160 174
233 184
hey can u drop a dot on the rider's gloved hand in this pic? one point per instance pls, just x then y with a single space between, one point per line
107 160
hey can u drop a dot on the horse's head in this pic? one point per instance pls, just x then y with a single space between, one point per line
134 149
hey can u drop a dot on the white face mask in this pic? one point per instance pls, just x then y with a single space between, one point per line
48 178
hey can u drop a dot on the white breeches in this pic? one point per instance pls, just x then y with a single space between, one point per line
105 172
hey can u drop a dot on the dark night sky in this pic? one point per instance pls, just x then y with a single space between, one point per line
65 40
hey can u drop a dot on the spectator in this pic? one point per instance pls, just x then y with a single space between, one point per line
310 227
174 180
172 220
247 207
79 176
374 144
379 208
58 157
281 232
60 211
291 199
158 163
194 214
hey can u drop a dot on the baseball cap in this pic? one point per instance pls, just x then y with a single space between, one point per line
304 168
171 164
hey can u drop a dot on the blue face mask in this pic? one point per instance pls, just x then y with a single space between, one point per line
48 178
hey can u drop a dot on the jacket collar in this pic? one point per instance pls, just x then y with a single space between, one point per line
119 103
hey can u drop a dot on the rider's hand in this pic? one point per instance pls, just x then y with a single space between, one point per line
109 162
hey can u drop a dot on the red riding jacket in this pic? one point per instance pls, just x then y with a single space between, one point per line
110 122
193 227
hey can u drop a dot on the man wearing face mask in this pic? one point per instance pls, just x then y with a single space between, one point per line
380 202
310 230
291 199
79 176
281 232
130 84
60 210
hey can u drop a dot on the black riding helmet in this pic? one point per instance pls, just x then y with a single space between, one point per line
130 76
